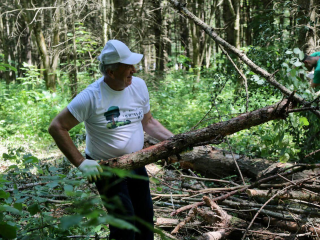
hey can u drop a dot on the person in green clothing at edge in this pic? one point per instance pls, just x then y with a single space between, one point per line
312 61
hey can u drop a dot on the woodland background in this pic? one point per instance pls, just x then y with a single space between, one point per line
48 54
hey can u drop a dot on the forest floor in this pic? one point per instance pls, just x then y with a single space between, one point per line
174 190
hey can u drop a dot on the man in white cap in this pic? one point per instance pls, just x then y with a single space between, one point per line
115 110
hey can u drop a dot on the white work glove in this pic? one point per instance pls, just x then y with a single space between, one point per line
91 169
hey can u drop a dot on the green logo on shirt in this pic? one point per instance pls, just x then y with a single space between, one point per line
112 113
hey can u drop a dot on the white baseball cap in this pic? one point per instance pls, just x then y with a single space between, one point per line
116 51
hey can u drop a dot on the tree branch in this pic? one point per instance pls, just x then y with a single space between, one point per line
255 68
186 140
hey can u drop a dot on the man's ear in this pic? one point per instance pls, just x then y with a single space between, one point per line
110 72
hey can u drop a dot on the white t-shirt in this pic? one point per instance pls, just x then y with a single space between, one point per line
112 118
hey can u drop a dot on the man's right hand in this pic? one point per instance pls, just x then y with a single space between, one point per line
91 169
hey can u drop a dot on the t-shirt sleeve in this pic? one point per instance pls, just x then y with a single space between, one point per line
146 107
316 78
81 106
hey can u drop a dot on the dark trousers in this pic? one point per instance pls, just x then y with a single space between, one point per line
134 204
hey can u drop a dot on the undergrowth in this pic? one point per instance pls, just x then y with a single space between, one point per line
177 100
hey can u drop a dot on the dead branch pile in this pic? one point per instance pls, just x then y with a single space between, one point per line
281 205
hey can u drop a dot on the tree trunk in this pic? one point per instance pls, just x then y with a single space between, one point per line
36 25
159 41
229 16
5 47
104 22
184 35
120 24
236 4
73 74
307 33
247 20
214 132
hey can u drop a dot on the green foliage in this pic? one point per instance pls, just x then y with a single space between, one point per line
26 109
59 204
179 102
4 66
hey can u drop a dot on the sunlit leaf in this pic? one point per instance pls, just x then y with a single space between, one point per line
296 50
304 121
297 64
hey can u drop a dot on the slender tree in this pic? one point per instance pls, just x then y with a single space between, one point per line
307 14
49 54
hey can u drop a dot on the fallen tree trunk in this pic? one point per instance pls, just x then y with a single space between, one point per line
301 195
183 141
294 227
213 162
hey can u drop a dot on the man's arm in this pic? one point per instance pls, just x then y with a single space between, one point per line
155 128
59 130
314 84
316 77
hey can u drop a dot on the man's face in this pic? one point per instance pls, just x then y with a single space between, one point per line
308 64
122 77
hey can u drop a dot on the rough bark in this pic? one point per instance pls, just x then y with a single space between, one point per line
301 195
293 227
170 222
120 24
183 141
306 32
191 216
213 162
158 35
104 22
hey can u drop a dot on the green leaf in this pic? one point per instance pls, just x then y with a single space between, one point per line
68 188
301 55
296 50
69 221
119 223
304 121
18 206
2 180
30 159
4 194
297 64
120 172
53 184
21 200
154 180
7 231
285 157
256 78
6 208
34 208
285 65
289 52
293 72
